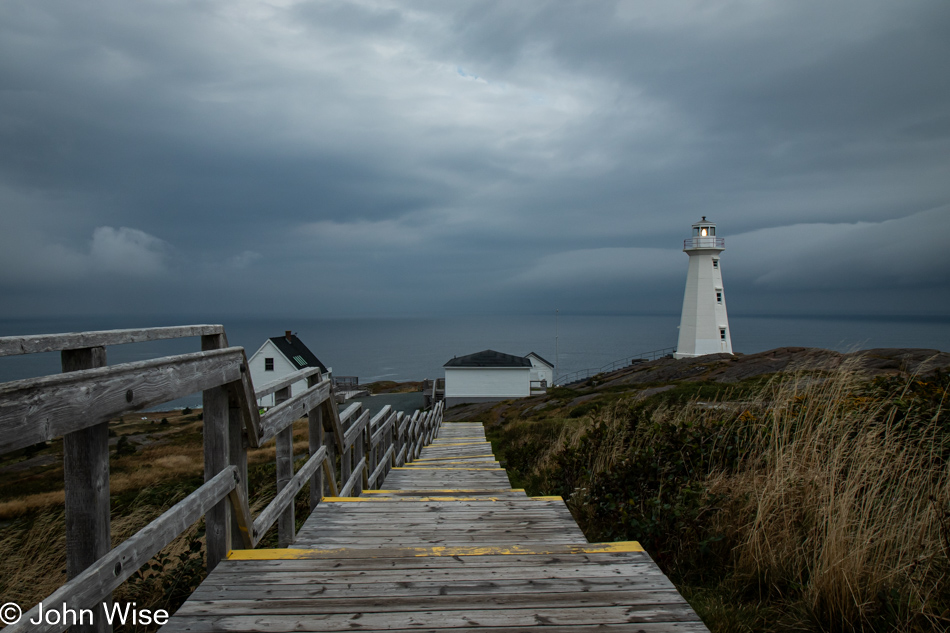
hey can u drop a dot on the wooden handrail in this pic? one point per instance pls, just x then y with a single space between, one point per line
269 515
353 432
286 381
40 409
381 431
73 403
381 415
36 343
349 412
114 568
277 418
354 478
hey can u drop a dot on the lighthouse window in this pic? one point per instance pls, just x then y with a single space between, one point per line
722 333
268 364
715 263
719 296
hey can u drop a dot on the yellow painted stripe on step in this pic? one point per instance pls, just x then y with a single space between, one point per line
430 490
411 499
440 468
436 459
480 463
446 551
467 438
547 498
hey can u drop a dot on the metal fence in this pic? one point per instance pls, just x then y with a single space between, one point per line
584 374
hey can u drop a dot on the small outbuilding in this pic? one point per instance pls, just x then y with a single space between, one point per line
490 376
542 373
278 357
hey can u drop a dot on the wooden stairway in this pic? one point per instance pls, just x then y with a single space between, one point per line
447 544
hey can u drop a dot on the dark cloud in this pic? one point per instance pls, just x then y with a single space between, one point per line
488 156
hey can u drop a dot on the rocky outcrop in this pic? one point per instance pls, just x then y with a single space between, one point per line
727 368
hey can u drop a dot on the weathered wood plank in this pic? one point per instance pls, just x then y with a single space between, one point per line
382 429
41 409
382 415
37 343
331 478
635 561
549 615
114 568
354 478
235 625
445 603
315 440
332 413
286 381
266 518
350 412
216 460
86 478
283 414
241 511
369 588
241 392
353 433
285 472
380 468
237 457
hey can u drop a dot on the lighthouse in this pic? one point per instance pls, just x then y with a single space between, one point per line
704 325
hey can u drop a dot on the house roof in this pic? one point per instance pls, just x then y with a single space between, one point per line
297 353
489 358
540 358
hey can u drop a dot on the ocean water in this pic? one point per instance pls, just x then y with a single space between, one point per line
416 348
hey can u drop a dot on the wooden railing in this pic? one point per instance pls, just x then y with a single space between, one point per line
78 404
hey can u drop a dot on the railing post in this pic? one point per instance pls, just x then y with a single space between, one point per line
217 432
86 479
397 441
237 456
373 455
331 444
286 528
315 428
346 457
388 443
360 454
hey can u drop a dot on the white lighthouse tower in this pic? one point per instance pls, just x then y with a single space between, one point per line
704 326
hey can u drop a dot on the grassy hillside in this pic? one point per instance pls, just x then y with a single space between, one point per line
808 499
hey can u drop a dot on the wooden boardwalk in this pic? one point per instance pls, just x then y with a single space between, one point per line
446 544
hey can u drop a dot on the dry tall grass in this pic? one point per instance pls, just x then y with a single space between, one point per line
826 495
841 501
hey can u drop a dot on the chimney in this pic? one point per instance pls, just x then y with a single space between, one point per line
287 335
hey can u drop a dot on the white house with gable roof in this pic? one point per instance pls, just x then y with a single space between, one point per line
278 357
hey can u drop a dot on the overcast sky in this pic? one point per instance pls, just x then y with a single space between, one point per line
380 158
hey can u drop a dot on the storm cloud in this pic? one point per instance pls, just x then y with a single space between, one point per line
374 157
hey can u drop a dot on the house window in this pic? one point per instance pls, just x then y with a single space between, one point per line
715 263
268 364
719 297
722 333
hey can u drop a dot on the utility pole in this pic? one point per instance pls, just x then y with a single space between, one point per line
555 347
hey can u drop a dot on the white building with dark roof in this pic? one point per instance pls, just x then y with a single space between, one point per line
542 372
278 357
490 376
